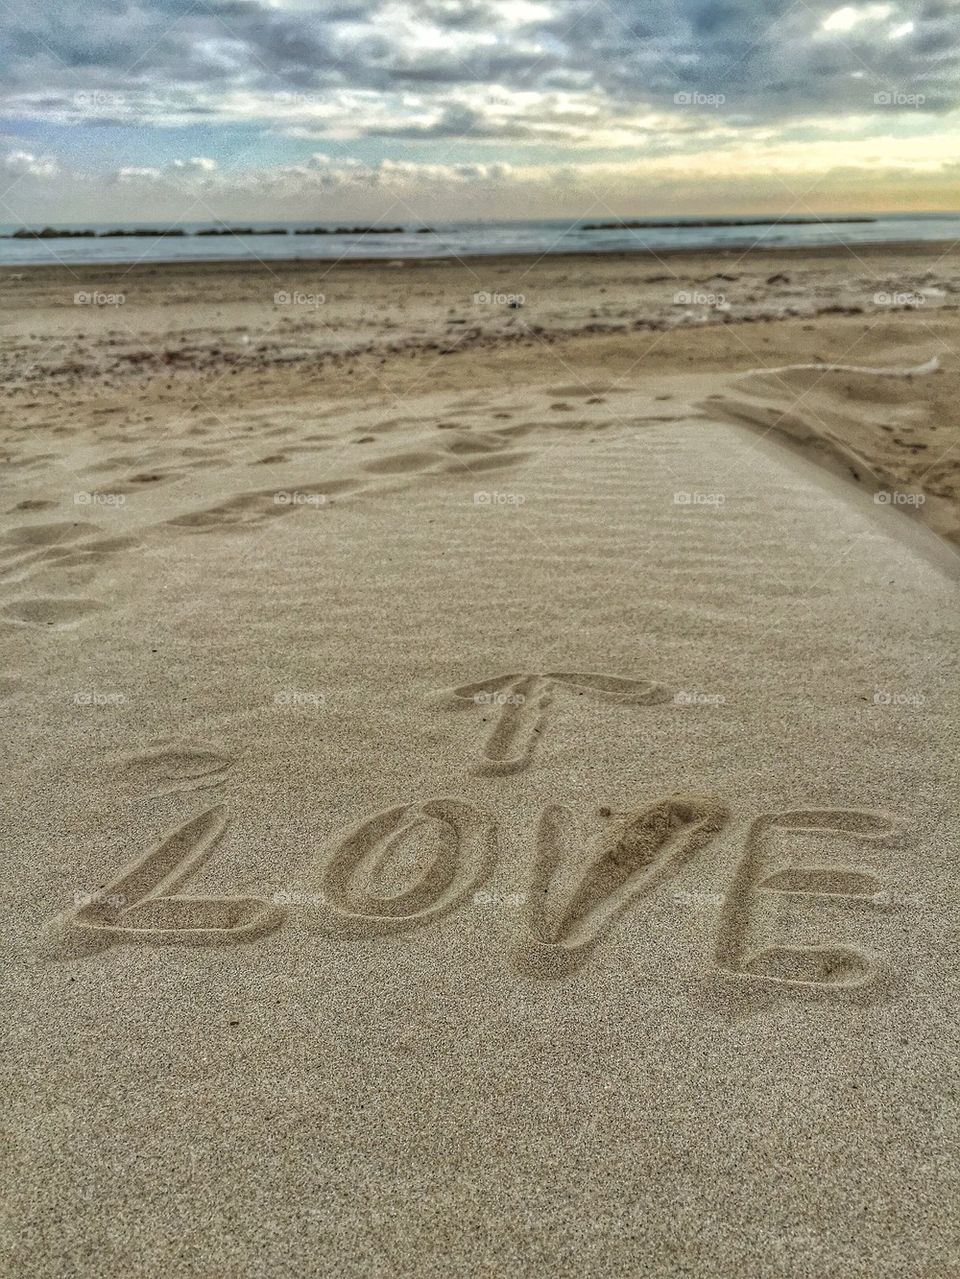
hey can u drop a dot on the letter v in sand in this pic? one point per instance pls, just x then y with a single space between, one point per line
574 899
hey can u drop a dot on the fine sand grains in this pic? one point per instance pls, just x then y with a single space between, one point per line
420 868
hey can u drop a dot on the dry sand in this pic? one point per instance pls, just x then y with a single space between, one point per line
484 815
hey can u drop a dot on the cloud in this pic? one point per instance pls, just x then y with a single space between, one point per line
25 163
320 172
818 172
133 174
165 61
544 85
792 161
850 16
175 170
196 164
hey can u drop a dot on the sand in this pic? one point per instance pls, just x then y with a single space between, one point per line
479 825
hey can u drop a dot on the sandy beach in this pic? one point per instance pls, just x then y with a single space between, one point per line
482 743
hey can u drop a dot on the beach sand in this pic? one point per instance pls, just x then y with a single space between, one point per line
482 813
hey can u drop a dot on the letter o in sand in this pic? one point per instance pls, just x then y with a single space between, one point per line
405 867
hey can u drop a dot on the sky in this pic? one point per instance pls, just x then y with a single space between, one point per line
432 110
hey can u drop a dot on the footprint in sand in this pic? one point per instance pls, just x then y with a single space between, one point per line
472 451
467 442
29 537
554 424
464 467
50 611
142 479
116 462
584 390
463 456
209 461
34 504
201 453
400 463
85 555
28 461
68 571
247 510
106 546
68 554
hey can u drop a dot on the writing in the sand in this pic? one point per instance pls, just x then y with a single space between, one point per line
410 865
518 705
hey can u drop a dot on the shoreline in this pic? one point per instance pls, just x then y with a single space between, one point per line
918 248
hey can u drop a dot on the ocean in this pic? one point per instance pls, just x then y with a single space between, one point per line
461 239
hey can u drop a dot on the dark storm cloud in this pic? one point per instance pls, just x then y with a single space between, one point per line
770 58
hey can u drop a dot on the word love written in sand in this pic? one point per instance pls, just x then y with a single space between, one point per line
413 863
